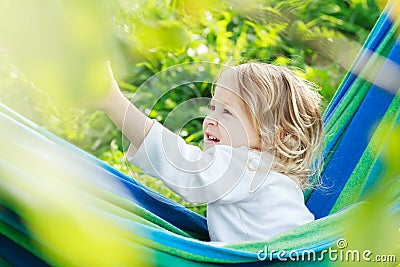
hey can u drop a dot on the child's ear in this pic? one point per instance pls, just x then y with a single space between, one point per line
281 134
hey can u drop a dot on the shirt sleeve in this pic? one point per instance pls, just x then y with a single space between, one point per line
198 176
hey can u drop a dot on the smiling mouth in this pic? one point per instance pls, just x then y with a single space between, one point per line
211 138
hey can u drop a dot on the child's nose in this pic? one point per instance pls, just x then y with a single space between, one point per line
210 121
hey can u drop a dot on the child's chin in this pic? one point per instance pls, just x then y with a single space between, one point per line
208 145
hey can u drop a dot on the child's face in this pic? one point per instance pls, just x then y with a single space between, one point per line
228 122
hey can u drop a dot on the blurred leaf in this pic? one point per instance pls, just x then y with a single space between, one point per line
61 46
164 34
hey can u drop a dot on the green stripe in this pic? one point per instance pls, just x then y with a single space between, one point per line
4 263
319 231
355 185
346 109
383 50
351 101
131 210
22 240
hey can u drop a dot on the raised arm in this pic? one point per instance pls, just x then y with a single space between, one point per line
129 119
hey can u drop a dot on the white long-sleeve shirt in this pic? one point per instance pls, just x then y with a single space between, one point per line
246 201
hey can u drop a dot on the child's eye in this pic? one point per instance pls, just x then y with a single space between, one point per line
227 111
211 107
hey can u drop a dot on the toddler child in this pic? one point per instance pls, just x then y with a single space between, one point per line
260 139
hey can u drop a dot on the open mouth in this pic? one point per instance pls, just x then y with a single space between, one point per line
211 138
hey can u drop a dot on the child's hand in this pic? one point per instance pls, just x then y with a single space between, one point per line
130 120
113 94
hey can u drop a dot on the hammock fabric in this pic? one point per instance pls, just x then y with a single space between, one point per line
362 112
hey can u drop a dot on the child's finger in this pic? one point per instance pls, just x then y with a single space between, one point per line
109 69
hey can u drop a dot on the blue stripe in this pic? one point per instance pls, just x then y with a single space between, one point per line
377 35
353 144
378 170
17 256
349 151
381 29
12 252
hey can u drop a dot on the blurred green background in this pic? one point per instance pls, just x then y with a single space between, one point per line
52 57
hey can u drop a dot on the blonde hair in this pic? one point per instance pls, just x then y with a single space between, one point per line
285 110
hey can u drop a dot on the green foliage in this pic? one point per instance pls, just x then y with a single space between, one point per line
161 35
